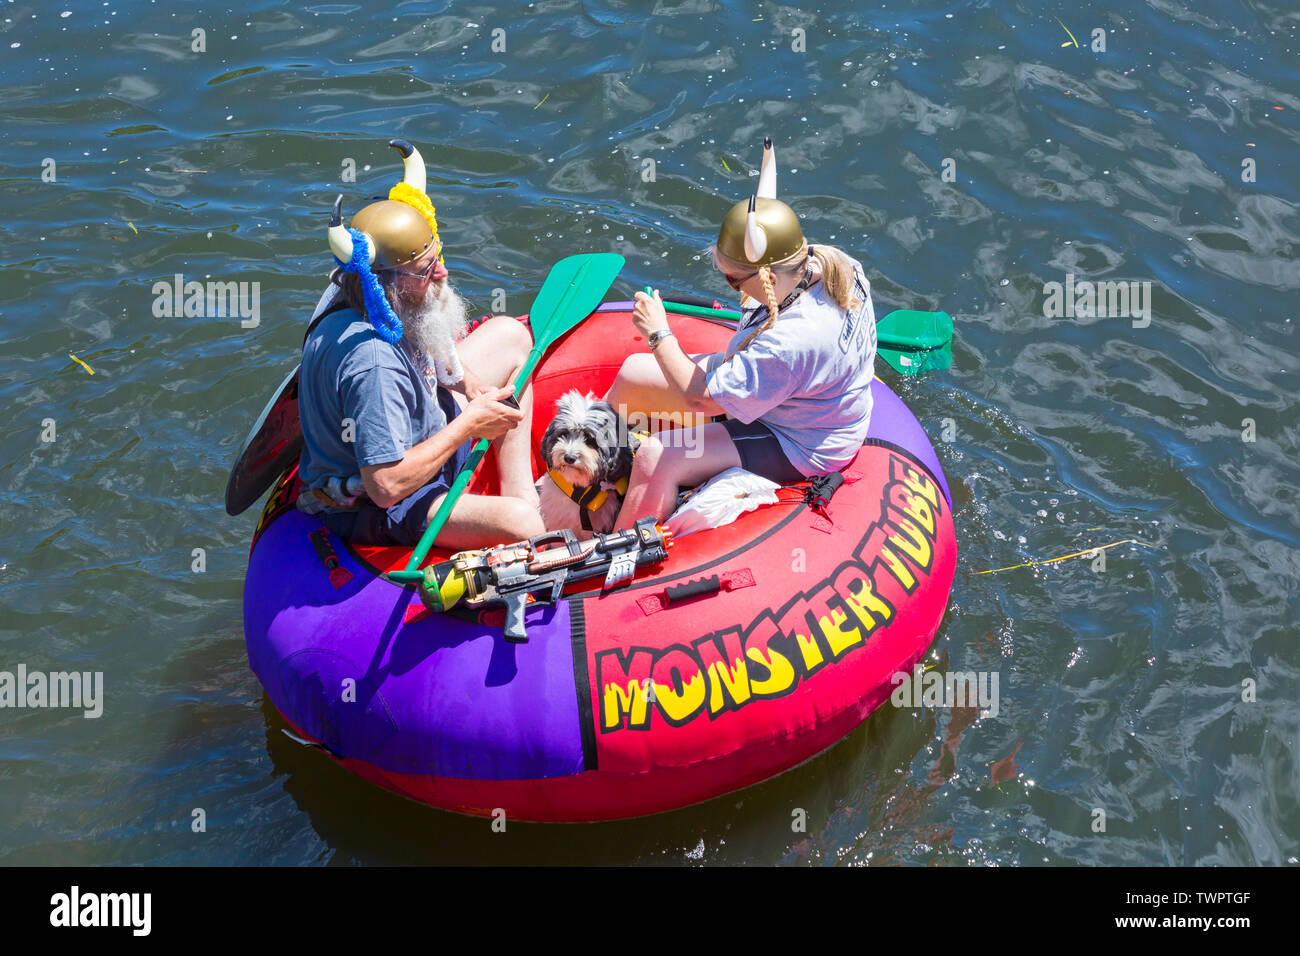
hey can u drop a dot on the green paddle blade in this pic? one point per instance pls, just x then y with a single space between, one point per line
906 329
916 362
572 291
913 343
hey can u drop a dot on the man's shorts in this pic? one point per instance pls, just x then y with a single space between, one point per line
760 452
401 524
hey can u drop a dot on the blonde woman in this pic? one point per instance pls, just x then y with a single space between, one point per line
794 381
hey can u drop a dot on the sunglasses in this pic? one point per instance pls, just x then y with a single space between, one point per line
735 281
422 276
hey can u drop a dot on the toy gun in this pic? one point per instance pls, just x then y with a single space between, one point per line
536 569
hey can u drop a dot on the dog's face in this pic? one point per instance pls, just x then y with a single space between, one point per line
582 442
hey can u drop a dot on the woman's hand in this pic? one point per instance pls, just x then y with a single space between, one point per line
648 315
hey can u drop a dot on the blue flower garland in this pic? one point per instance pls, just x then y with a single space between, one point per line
378 309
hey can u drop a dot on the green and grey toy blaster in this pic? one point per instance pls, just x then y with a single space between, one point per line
509 574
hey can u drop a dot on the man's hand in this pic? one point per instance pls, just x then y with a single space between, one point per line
471 386
487 414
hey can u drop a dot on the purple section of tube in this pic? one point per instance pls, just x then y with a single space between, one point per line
893 422
437 696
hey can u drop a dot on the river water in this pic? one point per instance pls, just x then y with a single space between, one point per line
968 154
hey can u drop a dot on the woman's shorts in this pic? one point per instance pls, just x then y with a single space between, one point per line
760 452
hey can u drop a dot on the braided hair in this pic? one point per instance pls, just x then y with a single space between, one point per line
837 279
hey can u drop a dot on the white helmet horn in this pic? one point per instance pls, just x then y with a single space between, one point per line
767 172
341 239
412 164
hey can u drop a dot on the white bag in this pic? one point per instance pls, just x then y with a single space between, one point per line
721 500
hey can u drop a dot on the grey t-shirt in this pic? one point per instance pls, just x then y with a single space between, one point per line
350 374
807 378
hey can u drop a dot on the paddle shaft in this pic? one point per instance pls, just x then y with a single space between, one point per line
733 316
471 465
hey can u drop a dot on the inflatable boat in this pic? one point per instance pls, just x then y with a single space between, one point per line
750 649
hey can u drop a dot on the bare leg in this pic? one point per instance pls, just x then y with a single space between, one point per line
495 352
640 387
658 471
481 521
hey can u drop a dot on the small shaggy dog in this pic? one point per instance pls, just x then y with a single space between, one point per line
588 452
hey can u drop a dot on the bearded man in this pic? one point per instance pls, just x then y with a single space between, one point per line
392 394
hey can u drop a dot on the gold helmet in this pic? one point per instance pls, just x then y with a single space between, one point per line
762 230
397 233
398 229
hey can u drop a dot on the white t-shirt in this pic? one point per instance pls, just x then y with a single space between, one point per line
807 378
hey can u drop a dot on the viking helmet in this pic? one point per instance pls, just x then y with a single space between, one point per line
397 229
762 230
384 235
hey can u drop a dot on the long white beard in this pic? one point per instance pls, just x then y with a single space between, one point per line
433 328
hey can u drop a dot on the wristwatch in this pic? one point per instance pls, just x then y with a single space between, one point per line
657 336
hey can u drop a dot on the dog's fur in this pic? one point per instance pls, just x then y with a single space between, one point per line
582 444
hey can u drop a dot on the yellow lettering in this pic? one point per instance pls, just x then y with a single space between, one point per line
630 699
680 707
918 548
812 654
916 481
735 677
780 672
723 657
838 637
914 506
897 568
858 592
874 548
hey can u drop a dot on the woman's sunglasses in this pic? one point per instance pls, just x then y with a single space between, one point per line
735 281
